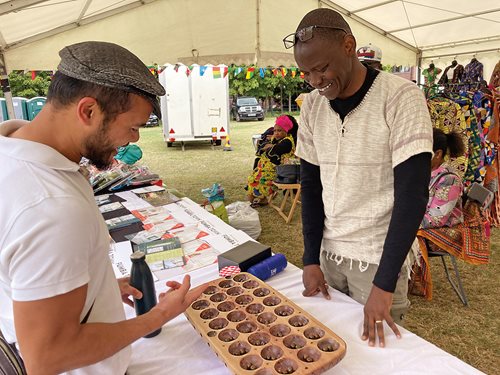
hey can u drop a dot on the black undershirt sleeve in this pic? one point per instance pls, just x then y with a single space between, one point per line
313 214
411 194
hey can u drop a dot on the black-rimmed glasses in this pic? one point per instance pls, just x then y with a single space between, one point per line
306 34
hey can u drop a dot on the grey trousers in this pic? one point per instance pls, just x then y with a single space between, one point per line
357 284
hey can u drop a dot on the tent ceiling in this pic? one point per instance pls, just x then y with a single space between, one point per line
434 27
25 21
428 24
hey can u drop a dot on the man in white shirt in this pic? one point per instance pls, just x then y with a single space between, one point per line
59 299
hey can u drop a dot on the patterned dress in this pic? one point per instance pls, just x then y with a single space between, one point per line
260 182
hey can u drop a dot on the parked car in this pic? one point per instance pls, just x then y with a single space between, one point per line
152 121
247 108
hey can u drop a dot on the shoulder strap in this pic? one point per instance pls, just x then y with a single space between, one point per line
439 176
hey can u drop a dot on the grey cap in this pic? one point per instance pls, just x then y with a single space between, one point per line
108 64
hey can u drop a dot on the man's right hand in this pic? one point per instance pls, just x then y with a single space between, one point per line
178 298
314 281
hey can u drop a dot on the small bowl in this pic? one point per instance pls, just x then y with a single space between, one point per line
259 338
218 323
209 314
254 308
246 327
328 345
280 330
294 342
286 366
228 335
284 310
218 297
309 354
251 362
271 353
271 301
239 348
200 304
236 316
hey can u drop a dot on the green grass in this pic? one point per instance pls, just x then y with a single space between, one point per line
470 333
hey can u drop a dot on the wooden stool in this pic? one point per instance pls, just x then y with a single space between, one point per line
294 199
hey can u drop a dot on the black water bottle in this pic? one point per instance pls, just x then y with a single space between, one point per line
141 278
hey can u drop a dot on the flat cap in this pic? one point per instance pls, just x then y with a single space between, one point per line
110 65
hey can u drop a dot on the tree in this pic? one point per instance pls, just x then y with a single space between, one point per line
21 84
272 85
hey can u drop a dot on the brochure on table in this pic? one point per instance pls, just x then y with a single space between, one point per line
203 236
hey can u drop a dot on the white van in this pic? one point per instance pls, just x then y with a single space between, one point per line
196 104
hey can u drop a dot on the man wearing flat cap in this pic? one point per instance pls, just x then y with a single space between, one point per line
60 302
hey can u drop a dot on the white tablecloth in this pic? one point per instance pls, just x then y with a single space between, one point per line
179 349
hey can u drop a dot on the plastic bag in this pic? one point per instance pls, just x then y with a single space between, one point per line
218 209
245 218
213 193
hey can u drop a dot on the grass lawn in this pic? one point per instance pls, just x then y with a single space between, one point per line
470 333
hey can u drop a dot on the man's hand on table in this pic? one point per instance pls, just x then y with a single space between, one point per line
128 290
178 298
376 310
314 281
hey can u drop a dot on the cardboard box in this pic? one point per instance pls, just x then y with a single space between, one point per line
244 256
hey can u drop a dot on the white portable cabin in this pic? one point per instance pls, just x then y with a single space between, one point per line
196 104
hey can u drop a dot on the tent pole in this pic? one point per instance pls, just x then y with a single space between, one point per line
419 65
4 83
257 44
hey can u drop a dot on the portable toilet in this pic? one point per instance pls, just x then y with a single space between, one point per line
4 115
20 108
35 105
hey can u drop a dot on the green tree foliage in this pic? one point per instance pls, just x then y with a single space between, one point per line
265 87
22 85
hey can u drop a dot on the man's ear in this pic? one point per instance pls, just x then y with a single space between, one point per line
87 110
350 45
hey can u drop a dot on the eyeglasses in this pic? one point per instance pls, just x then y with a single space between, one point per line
306 34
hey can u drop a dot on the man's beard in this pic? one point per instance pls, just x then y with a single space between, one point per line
99 149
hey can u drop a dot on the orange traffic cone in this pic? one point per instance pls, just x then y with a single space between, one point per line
227 145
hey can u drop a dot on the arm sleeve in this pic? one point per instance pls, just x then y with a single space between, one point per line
313 214
411 193
409 122
305 149
443 201
281 148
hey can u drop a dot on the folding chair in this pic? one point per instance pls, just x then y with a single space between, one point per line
292 193
457 286
484 197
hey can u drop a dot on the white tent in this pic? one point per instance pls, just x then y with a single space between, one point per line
245 31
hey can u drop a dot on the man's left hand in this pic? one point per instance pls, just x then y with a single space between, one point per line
128 290
377 309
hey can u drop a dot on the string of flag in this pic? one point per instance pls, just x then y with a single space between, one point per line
233 71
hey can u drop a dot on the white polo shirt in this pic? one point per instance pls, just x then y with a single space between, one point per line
53 238
356 159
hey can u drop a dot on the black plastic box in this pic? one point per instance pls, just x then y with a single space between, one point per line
244 256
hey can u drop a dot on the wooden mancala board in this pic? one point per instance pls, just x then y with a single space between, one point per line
256 330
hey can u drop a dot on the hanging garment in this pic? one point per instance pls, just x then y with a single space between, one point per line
495 76
447 116
474 71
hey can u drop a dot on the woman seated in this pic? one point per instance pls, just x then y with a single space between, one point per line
281 147
444 208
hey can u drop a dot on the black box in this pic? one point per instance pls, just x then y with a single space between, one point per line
244 256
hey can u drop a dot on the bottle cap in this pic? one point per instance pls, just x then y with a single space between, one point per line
137 255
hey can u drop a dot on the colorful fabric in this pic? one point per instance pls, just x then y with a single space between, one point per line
458 74
260 182
430 76
216 72
447 116
474 71
469 241
445 205
495 76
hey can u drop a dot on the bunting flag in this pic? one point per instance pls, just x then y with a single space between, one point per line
302 75
176 67
202 70
293 72
216 72
283 71
275 72
250 72
238 70
189 69
262 72
226 70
